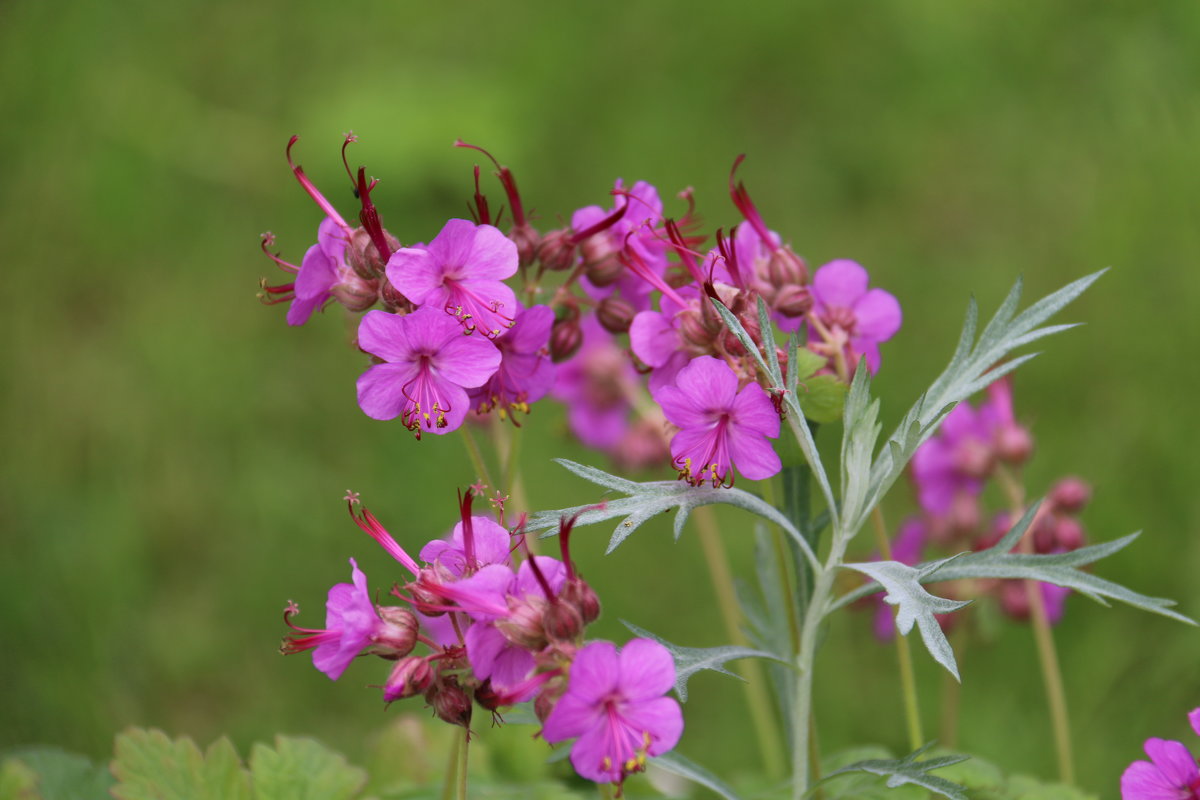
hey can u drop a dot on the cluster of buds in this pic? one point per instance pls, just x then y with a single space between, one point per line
492 632
603 314
973 446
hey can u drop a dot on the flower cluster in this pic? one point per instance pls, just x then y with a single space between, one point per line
1170 774
627 338
975 445
495 633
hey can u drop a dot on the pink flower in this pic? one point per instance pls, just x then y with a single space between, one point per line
490 544
461 271
350 625
324 273
1170 774
635 231
596 385
855 317
428 364
614 704
720 427
526 373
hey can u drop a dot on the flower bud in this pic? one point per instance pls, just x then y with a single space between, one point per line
1068 534
524 624
1014 445
605 271
487 697
450 703
1014 599
583 597
562 621
527 240
785 268
973 457
556 251
963 516
1070 495
391 296
548 699
565 339
793 301
615 314
425 600
362 256
355 293
398 634
410 677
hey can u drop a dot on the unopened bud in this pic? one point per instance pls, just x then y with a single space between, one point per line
524 624
364 258
565 339
355 293
527 240
785 268
1014 599
450 703
974 458
1014 445
424 599
391 296
793 301
398 634
1070 495
1068 534
410 677
963 516
548 699
615 314
605 271
562 621
583 597
556 251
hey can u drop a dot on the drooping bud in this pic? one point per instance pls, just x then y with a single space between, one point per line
450 703
973 457
566 338
425 597
581 596
489 698
793 301
355 293
363 256
392 298
398 633
1070 495
964 515
410 677
524 625
527 240
1014 444
556 251
785 268
615 314
562 621
548 699
604 270
1068 534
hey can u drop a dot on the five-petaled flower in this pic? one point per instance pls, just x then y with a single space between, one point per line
350 625
1170 774
615 705
719 426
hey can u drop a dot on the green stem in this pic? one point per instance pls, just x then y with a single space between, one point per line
781 555
481 470
908 683
462 765
750 669
1043 637
451 768
952 689
802 711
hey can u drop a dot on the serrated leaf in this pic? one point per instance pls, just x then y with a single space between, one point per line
690 660
302 769
647 500
908 771
678 765
60 775
916 606
150 766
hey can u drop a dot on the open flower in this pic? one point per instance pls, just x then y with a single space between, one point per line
851 316
614 704
719 427
350 625
461 272
428 364
1170 774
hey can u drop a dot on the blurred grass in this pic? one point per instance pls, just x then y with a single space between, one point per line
174 455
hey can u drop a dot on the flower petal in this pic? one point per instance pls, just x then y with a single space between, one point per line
647 669
878 315
492 256
840 283
752 454
1194 718
1142 781
753 410
381 389
660 717
416 273
570 717
1173 761
467 360
595 672
385 335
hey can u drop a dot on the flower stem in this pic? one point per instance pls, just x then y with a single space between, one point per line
451 770
750 669
952 689
481 470
462 765
1043 637
908 683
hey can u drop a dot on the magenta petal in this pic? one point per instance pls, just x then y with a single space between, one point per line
492 540
753 455
702 447
877 315
415 272
332 239
661 717
840 283
710 380
681 409
531 331
754 410
381 389
653 339
1142 781
385 335
318 273
302 308
595 672
484 646
467 360
647 669
452 247
526 584
600 752
1194 718
493 256
570 717
596 426
1173 760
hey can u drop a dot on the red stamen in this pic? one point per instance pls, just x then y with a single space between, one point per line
507 180
634 263
480 211
268 240
741 199
468 528
602 225
350 137
370 217
365 520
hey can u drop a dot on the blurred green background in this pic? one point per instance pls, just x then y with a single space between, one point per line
175 455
